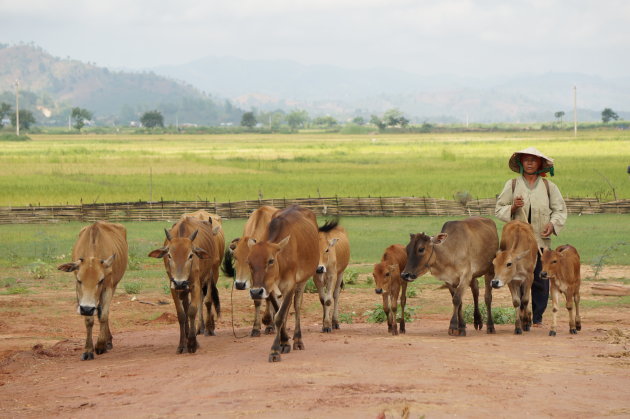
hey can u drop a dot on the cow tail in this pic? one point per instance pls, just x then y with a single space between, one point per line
215 298
228 267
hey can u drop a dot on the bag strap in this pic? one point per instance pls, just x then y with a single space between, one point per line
546 186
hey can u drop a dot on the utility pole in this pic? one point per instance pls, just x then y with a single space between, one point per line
575 111
17 107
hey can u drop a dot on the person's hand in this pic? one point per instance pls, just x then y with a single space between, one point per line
548 230
518 203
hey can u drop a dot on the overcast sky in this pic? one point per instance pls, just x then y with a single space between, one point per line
468 38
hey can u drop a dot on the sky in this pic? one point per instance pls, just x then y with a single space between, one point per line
474 38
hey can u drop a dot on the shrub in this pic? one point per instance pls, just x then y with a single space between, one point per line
347 317
133 287
501 315
350 276
377 315
310 287
39 270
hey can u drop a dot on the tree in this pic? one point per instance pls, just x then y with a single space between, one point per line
5 110
559 116
395 118
248 120
325 121
26 119
297 119
608 114
152 119
380 124
359 120
80 115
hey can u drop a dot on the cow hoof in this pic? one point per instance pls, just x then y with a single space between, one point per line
526 328
336 325
490 330
452 332
394 332
180 350
326 329
285 348
402 330
298 346
110 346
270 330
209 333
578 327
87 356
552 333
274 357
518 331
478 326
573 331
100 351
255 333
192 347
462 332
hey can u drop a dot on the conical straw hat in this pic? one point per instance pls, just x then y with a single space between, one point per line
514 160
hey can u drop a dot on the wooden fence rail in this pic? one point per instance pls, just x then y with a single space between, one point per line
348 206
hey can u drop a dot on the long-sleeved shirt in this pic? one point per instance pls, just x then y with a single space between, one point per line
539 209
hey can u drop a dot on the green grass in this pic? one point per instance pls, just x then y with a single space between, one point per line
58 169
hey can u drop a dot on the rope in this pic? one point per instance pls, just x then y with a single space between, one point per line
232 312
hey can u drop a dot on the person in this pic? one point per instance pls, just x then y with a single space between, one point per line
534 199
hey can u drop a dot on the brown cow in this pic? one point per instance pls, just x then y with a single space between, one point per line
562 268
285 260
514 266
334 256
462 252
389 283
189 254
100 261
235 264
219 242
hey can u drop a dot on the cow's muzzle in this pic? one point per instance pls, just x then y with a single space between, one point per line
544 276
378 290
496 283
87 310
181 285
240 285
408 276
257 293
321 269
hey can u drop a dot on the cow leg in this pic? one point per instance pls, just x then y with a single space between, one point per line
201 329
270 310
104 341
335 319
474 287
525 310
89 345
256 327
329 300
458 325
181 303
297 305
394 292
191 311
211 297
488 301
572 329
515 290
555 296
403 302
578 321
280 321
387 312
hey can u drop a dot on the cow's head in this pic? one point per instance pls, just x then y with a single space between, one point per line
92 275
263 263
383 275
327 255
239 251
178 254
550 264
508 267
420 253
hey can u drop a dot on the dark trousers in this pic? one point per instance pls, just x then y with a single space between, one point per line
540 293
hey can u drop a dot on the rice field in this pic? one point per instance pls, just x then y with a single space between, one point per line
56 169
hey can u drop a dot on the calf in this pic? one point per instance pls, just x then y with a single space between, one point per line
389 284
189 256
562 268
334 256
100 261
514 266
462 252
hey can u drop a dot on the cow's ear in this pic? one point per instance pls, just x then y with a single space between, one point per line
522 255
251 242
69 267
284 242
332 242
234 243
201 253
107 263
439 239
216 229
159 253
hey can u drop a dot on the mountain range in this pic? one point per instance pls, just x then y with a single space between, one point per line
215 90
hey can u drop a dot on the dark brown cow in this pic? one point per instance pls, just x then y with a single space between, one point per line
389 284
514 266
235 264
462 252
334 256
100 261
285 260
189 254
562 268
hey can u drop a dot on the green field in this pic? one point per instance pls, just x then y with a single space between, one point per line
69 169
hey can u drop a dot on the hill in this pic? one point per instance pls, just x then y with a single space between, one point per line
51 86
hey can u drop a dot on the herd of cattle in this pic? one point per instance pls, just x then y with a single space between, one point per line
281 249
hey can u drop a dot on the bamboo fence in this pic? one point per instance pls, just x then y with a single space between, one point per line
348 206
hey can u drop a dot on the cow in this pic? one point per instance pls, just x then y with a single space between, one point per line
334 256
514 266
235 265
190 257
219 241
100 261
285 260
389 284
459 254
562 268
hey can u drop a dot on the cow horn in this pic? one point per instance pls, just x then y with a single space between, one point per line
168 235
192 236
